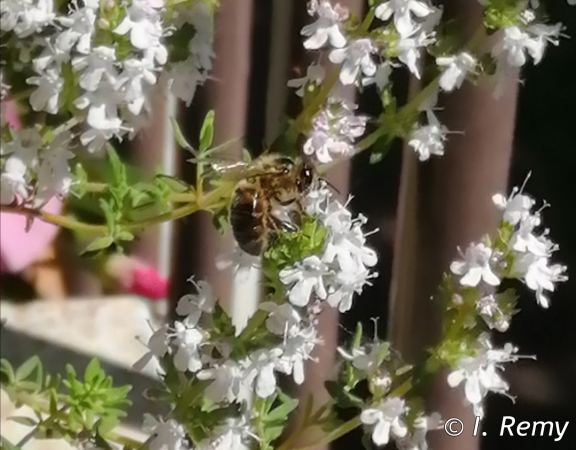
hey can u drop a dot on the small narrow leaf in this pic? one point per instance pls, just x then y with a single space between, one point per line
179 137
99 244
93 371
207 131
27 421
26 369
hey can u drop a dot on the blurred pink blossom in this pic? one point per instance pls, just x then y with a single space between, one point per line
137 277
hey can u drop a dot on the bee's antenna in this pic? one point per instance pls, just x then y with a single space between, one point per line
330 185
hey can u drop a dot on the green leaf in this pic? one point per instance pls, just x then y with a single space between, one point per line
106 424
93 372
207 131
246 156
26 369
27 421
220 220
174 184
272 433
118 169
179 137
7 370
357 335
281 412
100 243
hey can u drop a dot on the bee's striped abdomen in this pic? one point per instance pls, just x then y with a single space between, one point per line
247 220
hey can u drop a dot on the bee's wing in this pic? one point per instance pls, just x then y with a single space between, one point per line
235 171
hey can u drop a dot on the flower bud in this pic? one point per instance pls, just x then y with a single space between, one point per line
136 277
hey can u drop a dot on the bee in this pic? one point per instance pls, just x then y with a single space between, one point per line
268 199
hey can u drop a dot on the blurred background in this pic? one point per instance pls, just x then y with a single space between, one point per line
67 307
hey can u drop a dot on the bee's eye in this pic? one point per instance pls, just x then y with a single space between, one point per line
287 165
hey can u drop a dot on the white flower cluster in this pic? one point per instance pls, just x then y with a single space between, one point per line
334 131
192 350
408 31
115 82
344 266
518 41
481 373
49 168
482 265
527 258
387 422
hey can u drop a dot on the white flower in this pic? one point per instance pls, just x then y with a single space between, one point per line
364 358
25 17
480 373
283 319
102 107
524 240
417 441
79 28
304 278
334 131
23 151
328 26
295 351
50 56
46 96
187 340
96 67
403 11
134 82
344 285
475 266
381 78
201 44
314 75
515 208
183 78
142 20
242 263
232 435
167 434
488 308
232 381
192 306
456 69
542 34
54 175
157 348
354 57
428 140
409 50
386 419
538 275
263 363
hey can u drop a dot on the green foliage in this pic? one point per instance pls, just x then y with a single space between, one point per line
73 408
290 247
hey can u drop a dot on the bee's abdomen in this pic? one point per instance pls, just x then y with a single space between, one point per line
247 220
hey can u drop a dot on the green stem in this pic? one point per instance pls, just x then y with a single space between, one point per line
342 430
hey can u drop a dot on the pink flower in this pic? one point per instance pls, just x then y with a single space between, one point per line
136 277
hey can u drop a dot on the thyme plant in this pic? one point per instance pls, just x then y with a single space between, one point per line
82 74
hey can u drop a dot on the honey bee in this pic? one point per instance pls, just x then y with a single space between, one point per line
268 199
